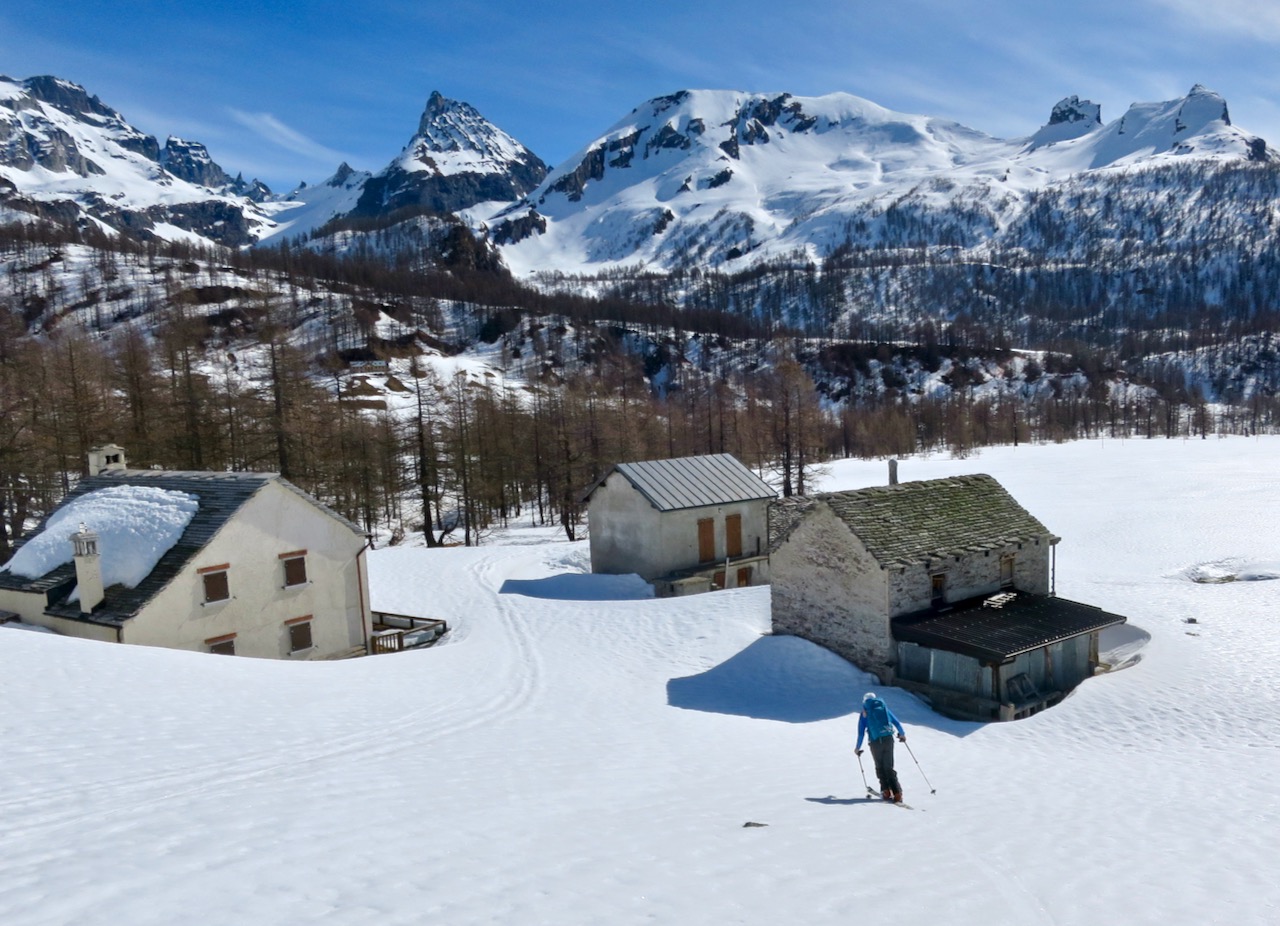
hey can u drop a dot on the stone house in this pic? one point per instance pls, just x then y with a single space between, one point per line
686 525
237 563
944 587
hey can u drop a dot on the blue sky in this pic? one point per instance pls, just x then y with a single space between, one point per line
286 91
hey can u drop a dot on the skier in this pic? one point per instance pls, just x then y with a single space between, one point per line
877 721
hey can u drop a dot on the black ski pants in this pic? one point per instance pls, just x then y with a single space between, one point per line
882 753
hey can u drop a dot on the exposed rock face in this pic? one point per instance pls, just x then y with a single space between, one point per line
70 98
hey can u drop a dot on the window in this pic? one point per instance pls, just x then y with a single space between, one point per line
216 585
299 633
939 592
733 535
295 567
1006 571
706 540
224 645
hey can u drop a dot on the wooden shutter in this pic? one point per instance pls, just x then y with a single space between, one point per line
224 645
733 535
744 577
216 586
706 540
295 570
299 636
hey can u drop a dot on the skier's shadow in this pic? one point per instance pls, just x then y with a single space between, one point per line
832 799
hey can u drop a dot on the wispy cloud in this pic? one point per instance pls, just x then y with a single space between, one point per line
271 129
1244 18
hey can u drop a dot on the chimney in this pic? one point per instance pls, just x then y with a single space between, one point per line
893 472
107 458
88 569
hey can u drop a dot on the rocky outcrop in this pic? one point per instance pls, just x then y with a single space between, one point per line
509 231
190 161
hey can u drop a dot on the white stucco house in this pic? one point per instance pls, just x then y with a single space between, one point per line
944 587
687 525
236 563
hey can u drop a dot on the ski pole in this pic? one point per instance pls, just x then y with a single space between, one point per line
858 753
932 789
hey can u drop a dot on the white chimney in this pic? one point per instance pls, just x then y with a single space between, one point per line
106 458
88 569
893 472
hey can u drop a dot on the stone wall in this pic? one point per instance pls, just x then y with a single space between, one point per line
828 589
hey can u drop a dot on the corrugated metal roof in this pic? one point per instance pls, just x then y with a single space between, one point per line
691 482
995 634
220 496
934 518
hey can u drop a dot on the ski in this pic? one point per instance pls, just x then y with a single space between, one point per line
873 798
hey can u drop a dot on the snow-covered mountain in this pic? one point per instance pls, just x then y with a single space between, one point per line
68 157
456 160
706 178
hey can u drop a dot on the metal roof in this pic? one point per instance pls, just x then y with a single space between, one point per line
691 482
998 628
220 496
914 522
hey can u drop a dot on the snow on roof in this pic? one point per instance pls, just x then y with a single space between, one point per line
136 525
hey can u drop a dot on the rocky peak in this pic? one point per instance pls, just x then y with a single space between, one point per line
1200 107
456 159
1072 110
450 125
341 175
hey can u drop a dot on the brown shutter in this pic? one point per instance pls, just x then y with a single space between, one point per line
706 540
299 636
733 535
216 586
295 571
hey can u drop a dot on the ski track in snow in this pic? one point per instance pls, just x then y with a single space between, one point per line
589 759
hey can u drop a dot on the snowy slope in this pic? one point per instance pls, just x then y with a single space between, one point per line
712 177
578 753
309 207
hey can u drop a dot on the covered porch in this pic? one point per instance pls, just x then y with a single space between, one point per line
999 657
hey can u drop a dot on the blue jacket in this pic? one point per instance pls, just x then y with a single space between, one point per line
862 725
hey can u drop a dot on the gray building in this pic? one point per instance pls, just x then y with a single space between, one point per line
944 587
687 525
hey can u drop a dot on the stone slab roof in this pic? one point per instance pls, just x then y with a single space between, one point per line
914 522
691 482
220 496
1012 625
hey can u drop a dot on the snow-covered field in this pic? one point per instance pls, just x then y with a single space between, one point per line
579 753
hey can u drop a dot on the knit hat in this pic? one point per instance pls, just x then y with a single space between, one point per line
868 696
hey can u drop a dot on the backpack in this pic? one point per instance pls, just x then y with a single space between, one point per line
878 724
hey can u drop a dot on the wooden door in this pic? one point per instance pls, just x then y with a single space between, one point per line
706 540
733 535
744 577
